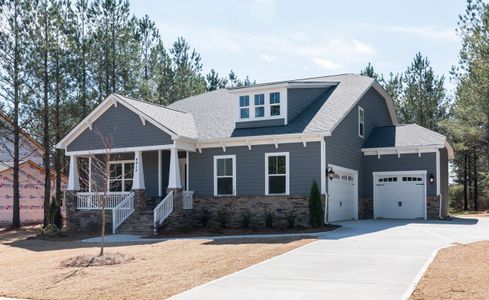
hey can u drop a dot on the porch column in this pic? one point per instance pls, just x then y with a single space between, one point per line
138 176
174 176
73 179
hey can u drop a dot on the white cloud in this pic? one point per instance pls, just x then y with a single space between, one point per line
447 34
325 63
268 58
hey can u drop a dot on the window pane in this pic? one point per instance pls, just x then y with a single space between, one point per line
244 101
272 165
115 185
221 167
274 98
225 167
361 129
115 170
276 184
259 111
281 166
260 99
225 186
127 185
245 113
128 170
275 110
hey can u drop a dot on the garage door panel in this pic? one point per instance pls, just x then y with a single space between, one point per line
399 196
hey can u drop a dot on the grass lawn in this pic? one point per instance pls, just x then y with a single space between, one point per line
458 272
30 267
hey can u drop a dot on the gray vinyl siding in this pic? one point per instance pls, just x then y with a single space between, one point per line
300 99
343 147
250 168
150 167
444 177
407 162
125 129
260 123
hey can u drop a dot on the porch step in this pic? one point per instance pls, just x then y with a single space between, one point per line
140 222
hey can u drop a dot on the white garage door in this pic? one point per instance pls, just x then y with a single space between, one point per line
342 194
400 195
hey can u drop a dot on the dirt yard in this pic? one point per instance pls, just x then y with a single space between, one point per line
458 272
30 267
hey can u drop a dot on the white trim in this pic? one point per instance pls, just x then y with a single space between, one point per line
73 178
400 173
401 150
217 157
138 177
354 173
89 174
160 184
174 170
121 150
281 85
361 122
437 172
98 111
287 172
266 91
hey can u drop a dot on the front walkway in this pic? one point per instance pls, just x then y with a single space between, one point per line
362 260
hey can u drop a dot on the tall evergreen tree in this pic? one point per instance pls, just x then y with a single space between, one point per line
370 72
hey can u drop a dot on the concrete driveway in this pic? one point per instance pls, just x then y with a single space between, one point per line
369 259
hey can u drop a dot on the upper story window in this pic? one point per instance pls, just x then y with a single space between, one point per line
361 122
259 105
275 104
121 175
244 107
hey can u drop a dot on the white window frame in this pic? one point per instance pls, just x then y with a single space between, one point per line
279 104
267 106
249 107
287 172
255 106
123 176
361 122
216 158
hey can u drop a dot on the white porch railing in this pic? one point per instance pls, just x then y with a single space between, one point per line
188 199
90 200
163 210
122 211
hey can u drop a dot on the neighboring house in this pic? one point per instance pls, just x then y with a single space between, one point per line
260 147
31 176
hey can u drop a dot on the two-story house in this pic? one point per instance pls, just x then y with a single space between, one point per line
255 148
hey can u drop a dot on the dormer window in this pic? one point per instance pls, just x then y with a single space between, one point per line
275 104
259 105
244 107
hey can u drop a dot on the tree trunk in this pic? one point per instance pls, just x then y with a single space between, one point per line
47 166
57 130
476 192
469 178
466 202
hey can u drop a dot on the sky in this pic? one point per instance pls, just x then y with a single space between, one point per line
272 40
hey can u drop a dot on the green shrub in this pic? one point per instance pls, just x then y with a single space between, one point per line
315 208
290 217
245 219
269 218
455 196
223 217
55 216
204 217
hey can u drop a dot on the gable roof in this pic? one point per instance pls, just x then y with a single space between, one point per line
210 116
406 135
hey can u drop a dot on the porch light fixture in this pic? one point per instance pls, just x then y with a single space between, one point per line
330 173
432 178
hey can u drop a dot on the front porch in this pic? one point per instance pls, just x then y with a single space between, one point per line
137 183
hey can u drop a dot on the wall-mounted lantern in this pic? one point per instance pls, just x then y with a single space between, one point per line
432 178
330 173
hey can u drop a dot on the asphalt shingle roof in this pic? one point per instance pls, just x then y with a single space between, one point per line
403 136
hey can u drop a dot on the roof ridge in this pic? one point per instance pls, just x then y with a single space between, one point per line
151 103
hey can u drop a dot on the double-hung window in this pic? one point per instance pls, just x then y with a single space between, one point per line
259 105
275 104
361 122
244 107
225 175
277 173
120 176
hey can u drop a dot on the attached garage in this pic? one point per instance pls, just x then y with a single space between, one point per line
343 195
400 195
